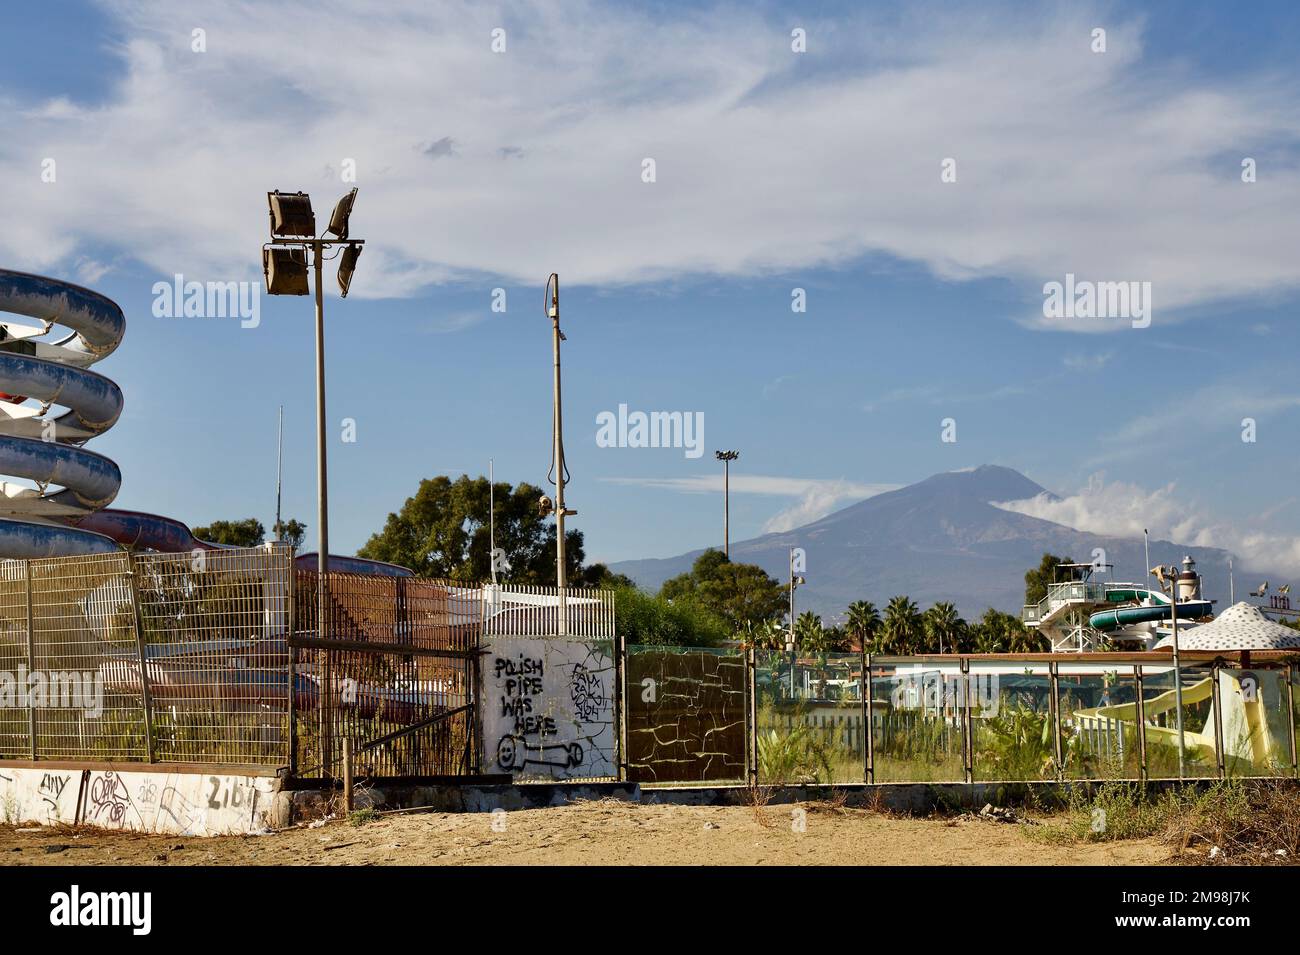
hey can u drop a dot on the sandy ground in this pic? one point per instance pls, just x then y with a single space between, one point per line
594 833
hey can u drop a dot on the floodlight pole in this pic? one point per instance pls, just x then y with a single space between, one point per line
322 513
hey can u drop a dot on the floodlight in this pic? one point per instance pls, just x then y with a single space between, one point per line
291 214
285 271
348 265
339 217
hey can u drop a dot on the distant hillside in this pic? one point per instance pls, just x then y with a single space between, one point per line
938 539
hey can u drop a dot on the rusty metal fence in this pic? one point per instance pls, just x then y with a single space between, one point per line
392 669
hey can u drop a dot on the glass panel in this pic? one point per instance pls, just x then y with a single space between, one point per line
686 715
1098 704
1254 720
810 727
1160 709
1011 724
916 722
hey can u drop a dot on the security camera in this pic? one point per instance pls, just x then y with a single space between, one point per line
545 505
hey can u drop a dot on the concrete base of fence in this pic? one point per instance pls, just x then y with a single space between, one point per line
296 806
155 799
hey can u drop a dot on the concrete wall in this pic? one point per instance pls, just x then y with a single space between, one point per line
147 800
548 708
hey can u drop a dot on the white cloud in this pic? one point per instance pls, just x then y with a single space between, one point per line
817 497
1101 165
1120 509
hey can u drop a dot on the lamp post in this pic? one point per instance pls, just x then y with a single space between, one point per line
794 653
1178 671
284 264
560 470
726 457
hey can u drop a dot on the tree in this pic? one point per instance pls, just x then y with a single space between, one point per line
863 621
443 531
1038 578
999 632
901 631
655 620
246 533
292 532
943 629
741 594
809 635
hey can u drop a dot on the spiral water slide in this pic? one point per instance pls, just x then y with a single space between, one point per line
63 511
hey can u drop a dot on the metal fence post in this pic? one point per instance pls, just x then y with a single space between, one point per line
967 730
1141 711
31 659
751 714
620 763
871 721
141 657
866 716
1291 713
1218 721
292 597
1054 705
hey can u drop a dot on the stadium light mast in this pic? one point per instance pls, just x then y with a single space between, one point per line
284 264
726 457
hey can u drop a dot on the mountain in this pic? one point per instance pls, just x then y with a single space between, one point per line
938 539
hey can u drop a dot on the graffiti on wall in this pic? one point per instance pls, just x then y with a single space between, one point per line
548 708
190 804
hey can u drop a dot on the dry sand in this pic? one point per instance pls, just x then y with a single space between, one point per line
594 833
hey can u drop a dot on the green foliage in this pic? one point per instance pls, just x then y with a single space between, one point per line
292 532
1038 578
443 531
998 632
246 533
900 633
684 622
944 631
741 594
862 622
795 755
1018 743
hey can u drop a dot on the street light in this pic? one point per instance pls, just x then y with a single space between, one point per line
726 457
284 263
559 472
794 652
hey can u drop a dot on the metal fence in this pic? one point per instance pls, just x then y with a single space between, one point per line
392 670
164 658
1024 718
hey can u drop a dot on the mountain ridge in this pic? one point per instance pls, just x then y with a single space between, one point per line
941 538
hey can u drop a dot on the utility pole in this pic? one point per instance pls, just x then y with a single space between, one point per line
1178 671
794 652
279 473
557 454
726 457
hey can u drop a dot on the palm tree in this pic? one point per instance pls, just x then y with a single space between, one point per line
808 633
863 622
943 628
901 630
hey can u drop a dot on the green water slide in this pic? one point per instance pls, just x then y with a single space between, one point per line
1107 620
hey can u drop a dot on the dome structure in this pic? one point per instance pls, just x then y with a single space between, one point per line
1241 627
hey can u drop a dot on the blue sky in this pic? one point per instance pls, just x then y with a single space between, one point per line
775 170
